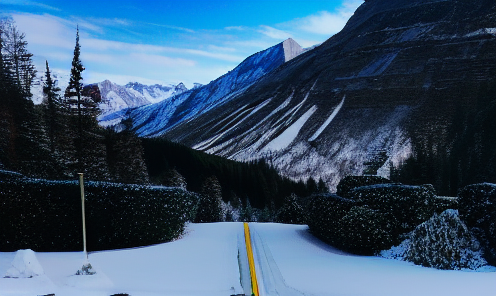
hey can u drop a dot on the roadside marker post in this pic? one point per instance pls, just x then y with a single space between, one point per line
81 185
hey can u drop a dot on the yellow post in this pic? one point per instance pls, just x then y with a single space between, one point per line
251 261
81 185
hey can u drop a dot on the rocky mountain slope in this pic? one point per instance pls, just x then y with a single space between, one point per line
154 120
116 99
389 83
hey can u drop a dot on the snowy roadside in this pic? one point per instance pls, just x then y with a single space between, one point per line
204 262
314 268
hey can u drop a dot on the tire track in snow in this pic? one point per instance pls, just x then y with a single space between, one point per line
270 279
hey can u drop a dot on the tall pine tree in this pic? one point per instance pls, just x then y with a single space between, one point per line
89 142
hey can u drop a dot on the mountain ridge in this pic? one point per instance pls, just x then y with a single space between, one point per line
395 74
156 119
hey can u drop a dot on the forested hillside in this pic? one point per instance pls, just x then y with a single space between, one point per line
60 137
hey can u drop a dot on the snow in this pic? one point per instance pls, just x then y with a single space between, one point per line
290 261
484 31
314 268
240 118
287 137
326 123
24 265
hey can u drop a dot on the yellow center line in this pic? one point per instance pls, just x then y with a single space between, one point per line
251 262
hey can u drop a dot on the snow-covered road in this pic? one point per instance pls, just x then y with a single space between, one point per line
289 260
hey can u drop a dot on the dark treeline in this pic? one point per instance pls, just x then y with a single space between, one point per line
467 156
60 137
256 181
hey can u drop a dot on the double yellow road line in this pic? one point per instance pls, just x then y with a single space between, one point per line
251 261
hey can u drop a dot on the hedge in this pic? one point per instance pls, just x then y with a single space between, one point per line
477 208
324 212
373 218
407 206
348 183
45 215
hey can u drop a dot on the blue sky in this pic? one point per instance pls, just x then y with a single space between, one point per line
168 42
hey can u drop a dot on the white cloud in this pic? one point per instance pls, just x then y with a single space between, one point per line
274 33
325 22
221 48
162 61
29 3
236 28
172 27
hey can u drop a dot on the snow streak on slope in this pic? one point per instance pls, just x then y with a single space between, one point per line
231 125
200 100
287 137
326 123
248 133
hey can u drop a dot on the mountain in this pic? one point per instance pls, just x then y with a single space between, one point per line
154 120
404 78
61 79
116 98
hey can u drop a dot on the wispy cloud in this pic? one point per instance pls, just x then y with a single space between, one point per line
236 28
159 60
29 3
172 27
325 22
274 33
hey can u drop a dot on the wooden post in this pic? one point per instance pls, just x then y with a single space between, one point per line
81 185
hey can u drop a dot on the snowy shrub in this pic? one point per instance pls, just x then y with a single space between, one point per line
443 242
324 213
46 215
291 211
349 183
407 206
477 207
364 231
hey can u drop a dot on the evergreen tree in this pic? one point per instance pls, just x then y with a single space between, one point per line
17 56
246 214
291 211
322 187
90 155
126 161
210 206
52 105
23 143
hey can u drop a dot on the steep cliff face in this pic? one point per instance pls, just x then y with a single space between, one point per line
156 119
389 82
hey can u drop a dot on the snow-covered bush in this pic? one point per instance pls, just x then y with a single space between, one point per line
477 206
407 206
364 231
442 242
24 265
349 183
46 215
